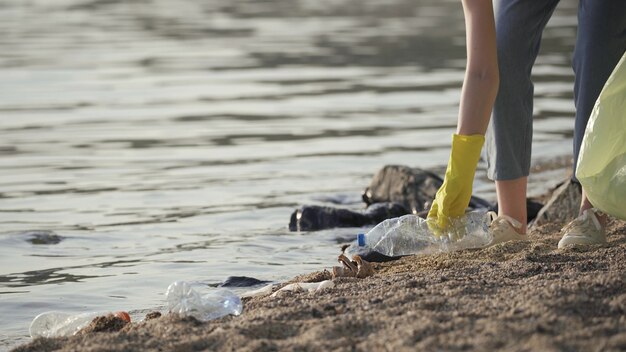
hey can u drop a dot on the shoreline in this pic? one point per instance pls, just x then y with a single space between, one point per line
516 296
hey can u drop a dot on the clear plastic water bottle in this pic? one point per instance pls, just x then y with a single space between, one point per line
57 324
410 234
470 231
184 300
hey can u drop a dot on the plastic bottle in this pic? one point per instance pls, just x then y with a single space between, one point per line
472 230
410 234
184 300
57 324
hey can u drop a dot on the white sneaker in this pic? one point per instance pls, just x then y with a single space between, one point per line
502 229
585 229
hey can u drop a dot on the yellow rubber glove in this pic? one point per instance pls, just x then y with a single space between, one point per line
454 194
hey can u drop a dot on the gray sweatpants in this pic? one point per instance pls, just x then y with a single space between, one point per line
600 43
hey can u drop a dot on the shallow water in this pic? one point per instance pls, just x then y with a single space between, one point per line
143 142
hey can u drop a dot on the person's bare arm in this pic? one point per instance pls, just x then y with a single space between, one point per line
480 85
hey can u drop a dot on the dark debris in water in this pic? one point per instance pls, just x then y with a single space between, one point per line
42 237
316 217
241 281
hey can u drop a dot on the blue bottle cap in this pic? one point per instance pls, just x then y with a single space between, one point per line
360 239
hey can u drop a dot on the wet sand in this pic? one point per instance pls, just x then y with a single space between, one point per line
514 296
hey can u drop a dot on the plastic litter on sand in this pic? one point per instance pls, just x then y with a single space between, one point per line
58 324
263 291
306 286
410 234
184 300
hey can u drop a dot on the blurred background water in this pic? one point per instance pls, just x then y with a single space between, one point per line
147 141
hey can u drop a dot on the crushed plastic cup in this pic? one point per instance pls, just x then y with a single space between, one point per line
219 302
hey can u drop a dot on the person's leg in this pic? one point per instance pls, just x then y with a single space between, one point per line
600 43
519 26
509 193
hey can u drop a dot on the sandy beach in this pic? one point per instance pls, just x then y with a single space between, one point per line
515 296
